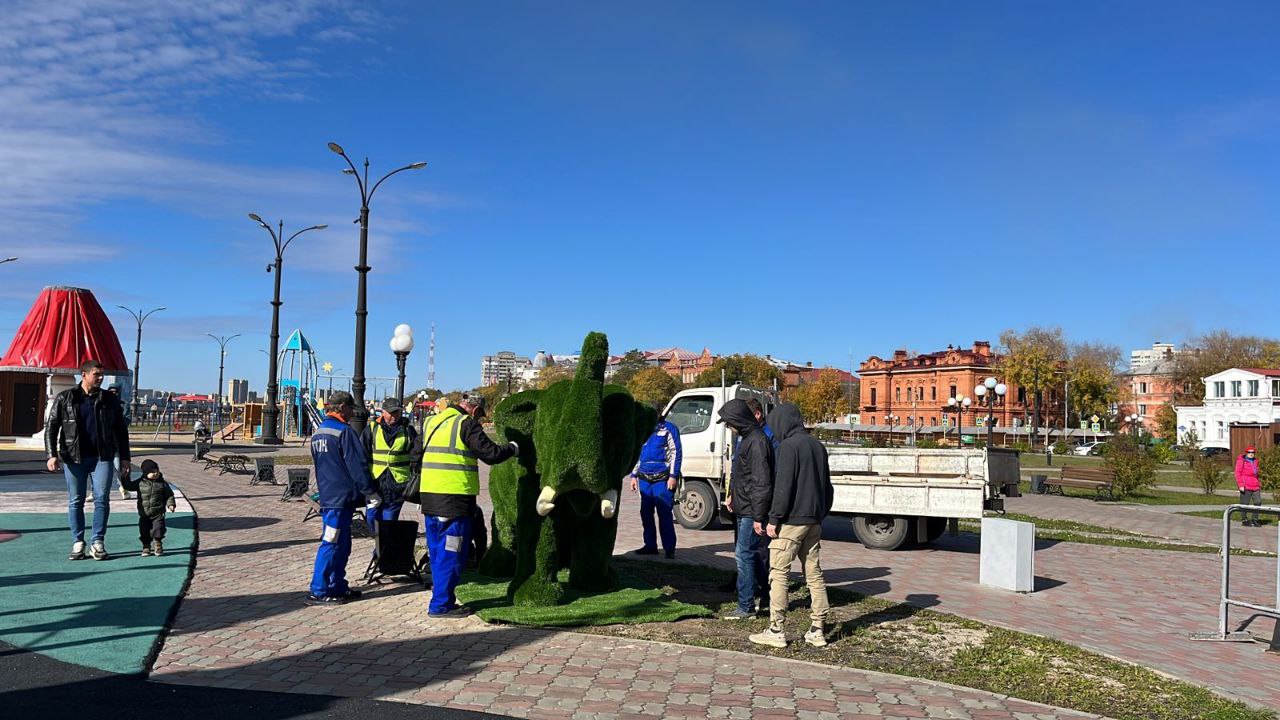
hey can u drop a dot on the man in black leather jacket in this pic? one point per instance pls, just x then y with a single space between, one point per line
86 429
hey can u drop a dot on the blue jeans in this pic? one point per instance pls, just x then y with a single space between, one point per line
752 574
656 498
78 475
447 543
329 577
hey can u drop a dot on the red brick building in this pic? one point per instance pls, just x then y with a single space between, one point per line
915 388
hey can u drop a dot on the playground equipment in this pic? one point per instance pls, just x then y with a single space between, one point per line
300 372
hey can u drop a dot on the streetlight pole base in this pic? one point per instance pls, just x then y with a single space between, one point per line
268 441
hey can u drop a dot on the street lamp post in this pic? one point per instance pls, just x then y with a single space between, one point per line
271 410
1135 424
987 391
222 360
361 416
7 260
401 345
958 405
141 317
890 419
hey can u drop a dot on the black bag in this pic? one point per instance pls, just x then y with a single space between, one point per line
654 477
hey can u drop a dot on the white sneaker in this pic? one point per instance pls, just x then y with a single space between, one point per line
77 550
770 637
816 637
98 551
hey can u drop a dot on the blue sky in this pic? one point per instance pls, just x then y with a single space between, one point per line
802 180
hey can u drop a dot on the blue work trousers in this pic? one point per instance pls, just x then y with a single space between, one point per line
656 498
329 578
447 543
78 477
752 574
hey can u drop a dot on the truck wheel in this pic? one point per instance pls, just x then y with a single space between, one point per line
934 528
882 532
697 511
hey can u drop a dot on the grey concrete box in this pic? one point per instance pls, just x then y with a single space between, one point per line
1008 555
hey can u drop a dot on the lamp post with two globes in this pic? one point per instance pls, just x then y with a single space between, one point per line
988 391
958 405
361 416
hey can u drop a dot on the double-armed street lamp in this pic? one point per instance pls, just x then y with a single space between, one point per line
222 360
890 420
271 410
988 391
1135 423
361 416
401 345
141 317
958 405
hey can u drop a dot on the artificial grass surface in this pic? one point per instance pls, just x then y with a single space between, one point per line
103 614
636 602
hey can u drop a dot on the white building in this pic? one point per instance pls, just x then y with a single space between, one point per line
503 367
237 391
1159 351
1238 395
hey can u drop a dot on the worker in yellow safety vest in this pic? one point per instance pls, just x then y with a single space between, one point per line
394 449
454 444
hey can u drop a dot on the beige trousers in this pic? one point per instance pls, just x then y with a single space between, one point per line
804 542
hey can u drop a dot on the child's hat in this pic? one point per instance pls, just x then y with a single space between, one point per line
149 466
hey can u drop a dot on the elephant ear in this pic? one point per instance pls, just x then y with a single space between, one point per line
620 448
514 419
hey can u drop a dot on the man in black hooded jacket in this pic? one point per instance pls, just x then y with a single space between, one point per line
750 494
802 497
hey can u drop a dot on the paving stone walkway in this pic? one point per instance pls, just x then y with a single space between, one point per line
243 625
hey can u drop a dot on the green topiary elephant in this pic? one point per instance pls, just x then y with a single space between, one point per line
555 506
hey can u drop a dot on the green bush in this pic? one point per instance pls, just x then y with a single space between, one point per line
1209 472
1163 453
1269 471
1021 446
1061 448
1133 466
927 444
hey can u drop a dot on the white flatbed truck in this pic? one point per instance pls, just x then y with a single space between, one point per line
895 497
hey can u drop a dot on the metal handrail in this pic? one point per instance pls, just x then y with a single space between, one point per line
1225 602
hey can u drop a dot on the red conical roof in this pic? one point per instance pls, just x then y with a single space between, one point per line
66 326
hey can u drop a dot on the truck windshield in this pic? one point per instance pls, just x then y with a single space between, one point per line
691 414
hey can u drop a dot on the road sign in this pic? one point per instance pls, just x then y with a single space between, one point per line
1095 427
1093 418
966 439
1084 425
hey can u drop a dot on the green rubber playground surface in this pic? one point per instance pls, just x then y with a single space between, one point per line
103 614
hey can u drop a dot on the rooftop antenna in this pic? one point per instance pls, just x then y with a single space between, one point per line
431 359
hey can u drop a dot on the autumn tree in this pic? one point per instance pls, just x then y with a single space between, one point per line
1167 423
823 399
1092 370
1214 352
631 363
1032 360
552 374
748 369
654 387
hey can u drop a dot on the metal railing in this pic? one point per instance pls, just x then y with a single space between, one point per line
1225 602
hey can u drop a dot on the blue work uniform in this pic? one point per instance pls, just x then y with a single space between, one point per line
342 477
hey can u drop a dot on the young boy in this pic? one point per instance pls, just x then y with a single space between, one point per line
154 498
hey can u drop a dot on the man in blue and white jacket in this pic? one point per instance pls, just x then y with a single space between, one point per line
343 479
654 478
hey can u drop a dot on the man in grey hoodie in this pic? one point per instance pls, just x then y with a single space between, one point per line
802 497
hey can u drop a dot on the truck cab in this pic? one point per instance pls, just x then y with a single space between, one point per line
707 450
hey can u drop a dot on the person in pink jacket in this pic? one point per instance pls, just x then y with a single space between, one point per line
1247 481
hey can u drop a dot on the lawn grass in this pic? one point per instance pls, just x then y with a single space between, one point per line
1153 496
636 602
1217 515
874 634
293 460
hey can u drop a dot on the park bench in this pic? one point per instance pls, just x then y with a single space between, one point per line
1100 480
228 463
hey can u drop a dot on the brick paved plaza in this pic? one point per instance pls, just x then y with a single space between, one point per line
243 625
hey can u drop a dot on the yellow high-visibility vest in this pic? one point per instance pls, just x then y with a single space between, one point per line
448 466
393 456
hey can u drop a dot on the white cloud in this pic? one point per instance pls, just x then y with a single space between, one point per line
99 101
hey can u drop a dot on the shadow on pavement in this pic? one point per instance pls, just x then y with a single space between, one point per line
51 690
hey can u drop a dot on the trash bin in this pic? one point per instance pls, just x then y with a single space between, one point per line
1037 484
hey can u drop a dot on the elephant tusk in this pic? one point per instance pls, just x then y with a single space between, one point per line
546 500
609 504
